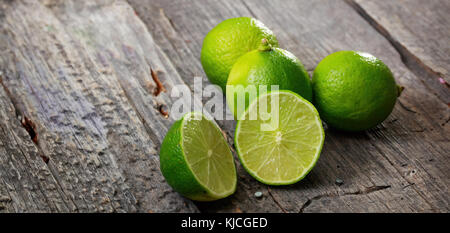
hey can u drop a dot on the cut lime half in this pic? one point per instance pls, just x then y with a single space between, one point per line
280 149
196 160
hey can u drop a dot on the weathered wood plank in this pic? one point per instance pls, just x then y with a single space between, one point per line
69 67
391 168
421 28
26 183
81 73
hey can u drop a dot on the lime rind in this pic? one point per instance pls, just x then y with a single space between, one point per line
354 91
315 157
258 70
213 194
228 41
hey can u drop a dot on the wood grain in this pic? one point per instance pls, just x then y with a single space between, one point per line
71 72
421 29
86 100
26 183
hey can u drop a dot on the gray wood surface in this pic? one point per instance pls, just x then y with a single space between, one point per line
85 93
421 30
83 90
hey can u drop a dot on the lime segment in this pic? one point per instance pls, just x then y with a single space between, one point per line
285 154
208 155
196 160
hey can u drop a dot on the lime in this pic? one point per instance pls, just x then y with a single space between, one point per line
285 152
353 91
196 160
265 66
229 40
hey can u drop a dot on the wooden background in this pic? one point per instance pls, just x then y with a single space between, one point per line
81 120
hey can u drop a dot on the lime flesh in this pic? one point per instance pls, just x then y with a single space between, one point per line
196 160
287 153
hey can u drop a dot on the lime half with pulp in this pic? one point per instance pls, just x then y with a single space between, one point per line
196 160
282 144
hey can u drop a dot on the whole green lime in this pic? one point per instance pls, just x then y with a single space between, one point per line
353 91
196 161
264 67
229 40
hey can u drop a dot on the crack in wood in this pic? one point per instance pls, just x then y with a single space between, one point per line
364 191
30 127
404 106
162 110
25 121
276 201
163 14
444 123
408 185
159 86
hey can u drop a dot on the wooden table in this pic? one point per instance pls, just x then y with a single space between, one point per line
81 121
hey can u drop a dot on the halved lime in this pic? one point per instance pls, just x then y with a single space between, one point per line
281 147
196 161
